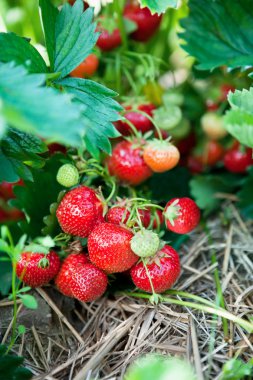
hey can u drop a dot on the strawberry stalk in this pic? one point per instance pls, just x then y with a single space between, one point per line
214 309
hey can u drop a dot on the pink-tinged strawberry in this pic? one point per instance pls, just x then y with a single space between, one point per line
79 211
109 248
127 163
163 268
73 262
88 283
182 215
37 269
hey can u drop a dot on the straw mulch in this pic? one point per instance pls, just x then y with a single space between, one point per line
68 340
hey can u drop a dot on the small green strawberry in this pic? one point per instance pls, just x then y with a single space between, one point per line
68 175
145 243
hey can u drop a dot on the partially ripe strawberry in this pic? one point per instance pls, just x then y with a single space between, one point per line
79 211
142 123
145 243
67 175
88 283
118 215
32 269
109 248
127 164
213 126
237 160
163 268
69 266
182 215
161 156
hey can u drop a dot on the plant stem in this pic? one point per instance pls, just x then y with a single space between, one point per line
15 307
121 25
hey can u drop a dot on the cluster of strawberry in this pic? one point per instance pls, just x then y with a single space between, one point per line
119 240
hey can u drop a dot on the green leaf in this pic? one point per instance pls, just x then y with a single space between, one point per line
10 366
19 50
239 120
45 111
246 196
100 111
159 6
75 37
49 14
28 301
35 202
204 190
18 151
219 34
236 369
5 277
21 329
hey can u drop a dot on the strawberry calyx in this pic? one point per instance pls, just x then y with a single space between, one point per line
173 212
160 145
107 23
43 263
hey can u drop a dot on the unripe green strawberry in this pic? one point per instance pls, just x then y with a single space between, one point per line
145 243
68 175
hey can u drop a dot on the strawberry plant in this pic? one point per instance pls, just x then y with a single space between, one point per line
113 153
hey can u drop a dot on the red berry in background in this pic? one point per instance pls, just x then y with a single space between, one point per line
186 144
33 271
79 211
6 189
195 165
225 89
127 164
238 160
15 214
109 248
87 68
88 283
118 215
3 215
211 106
55 147
68 267
182 215
164 270
108 41
155 216
213 152
85 5
147 24
140 122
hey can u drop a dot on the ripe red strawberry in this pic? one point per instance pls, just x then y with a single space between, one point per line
88 283
164 270
127 164
147 24
182 215
107 40
118 215
109 248
79 211
69 265
140 122
33 271
156 216
238 160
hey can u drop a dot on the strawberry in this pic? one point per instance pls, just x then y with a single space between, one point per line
86 68
79 211
140 122
151 218
69 265
68 175
127 164
212 125
118 215
163 268
182 215
238 159
88 283
161 156
34 271
6 189
145 243
108 39
109 248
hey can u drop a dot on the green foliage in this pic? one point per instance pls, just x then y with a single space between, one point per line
246 196
5 275
35 198
19 50
159 6
49 14
204 189
236 369
220 33
28 301
239 120
18 152
10 366
75 37
28 106
101 110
